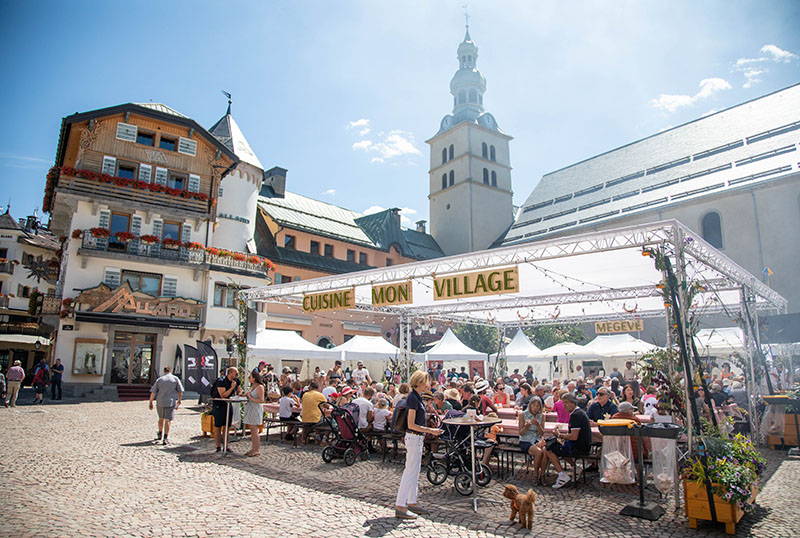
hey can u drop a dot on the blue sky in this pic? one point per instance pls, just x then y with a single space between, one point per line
344 94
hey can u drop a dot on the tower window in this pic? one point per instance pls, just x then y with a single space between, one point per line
452 178
444 181
484 151
492 155
486 176
712 229
473 96
462 97
451 151
444 155
494 178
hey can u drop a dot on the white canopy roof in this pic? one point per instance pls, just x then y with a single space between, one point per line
615 346
368 348
519 349
276 344
719 342
26 339
566 350
588 277
450 348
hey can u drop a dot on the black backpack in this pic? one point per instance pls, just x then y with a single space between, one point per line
400 417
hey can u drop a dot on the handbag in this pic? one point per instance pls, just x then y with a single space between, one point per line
550 443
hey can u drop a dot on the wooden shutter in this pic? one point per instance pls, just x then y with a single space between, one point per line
126 131
105 219
187 146
136 225
169 286
161 176
186 232
109 165
194 183
111 277
158 228
145 172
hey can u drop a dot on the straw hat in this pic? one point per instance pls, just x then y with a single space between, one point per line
451 394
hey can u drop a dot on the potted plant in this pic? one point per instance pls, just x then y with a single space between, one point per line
100 232
149 239
207 421
239 257
254 260
192 245
124 237
171 243
732 466
77 234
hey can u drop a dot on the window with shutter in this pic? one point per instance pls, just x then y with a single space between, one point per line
194 183
136 225
105 219
126 131
145 172
169 286
161 176
111 277
186 232
158 226
109 165
187 146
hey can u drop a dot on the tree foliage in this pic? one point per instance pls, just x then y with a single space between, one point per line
545 336
478 337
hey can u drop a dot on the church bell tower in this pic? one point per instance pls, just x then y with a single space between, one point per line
470 172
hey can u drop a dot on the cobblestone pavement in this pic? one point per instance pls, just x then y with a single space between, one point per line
91 469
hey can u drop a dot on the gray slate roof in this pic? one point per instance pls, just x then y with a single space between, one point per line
227 131
7 222
753 142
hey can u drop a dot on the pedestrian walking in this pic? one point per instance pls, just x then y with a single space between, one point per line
3 389
254 412
41 378
167 391
14 378
55 381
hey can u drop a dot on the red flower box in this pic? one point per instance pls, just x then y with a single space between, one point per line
239 257
77 234
171 243
192 245
100 232
124 237
212 251
149 239
255 260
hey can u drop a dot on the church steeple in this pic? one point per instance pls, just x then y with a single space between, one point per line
468 84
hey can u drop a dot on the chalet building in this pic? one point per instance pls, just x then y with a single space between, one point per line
136 193
28 275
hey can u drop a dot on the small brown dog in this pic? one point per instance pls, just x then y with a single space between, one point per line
522 504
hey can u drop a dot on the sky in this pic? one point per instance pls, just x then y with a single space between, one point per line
345 94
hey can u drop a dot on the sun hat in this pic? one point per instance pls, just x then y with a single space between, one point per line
481 385
427 396
451 394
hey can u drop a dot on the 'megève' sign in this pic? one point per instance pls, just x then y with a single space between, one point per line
477 284
606 327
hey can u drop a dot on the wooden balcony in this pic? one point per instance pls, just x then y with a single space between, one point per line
131 195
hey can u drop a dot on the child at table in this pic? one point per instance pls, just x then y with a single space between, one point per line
286 411
380 415
491 437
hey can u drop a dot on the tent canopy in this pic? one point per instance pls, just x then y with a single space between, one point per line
619 346
451 348
276 344
519 349
566 350
719 342
578 278
362 347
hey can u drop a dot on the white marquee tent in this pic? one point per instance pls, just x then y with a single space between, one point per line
278 346
564 356
719 342
518 352
373 351
454 353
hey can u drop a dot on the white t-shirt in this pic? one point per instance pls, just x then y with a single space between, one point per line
381 416
327 391
510 391
364 406
286 404
360 375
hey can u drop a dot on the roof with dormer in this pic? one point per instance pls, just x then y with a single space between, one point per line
745 145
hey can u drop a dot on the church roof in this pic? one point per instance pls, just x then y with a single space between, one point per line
227 131
747 144
379 230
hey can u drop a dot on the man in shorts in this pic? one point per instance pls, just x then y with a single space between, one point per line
224 387
576 442
167 391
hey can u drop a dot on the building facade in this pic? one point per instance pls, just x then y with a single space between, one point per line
470 194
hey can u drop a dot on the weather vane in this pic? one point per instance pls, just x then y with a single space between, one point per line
466 14
226 94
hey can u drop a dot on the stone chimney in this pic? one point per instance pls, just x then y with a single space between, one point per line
421 226
275 178
396 215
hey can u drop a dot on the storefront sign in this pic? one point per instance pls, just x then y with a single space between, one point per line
123 300
330 300
67 327
392 294
605 327
492 282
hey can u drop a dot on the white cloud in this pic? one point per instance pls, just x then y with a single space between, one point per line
330 192
362 144
405 212
364 132
393 145
363 122
778 54
708 87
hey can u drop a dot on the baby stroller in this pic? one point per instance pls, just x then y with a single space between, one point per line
346 441
456 459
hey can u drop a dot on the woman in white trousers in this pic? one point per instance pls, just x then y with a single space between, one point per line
406 506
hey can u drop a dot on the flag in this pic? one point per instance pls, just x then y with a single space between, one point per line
193 376
177 367
208 366
767 271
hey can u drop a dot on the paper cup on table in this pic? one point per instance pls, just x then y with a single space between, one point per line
471 414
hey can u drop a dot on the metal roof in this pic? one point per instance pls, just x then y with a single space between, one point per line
750 143
161 107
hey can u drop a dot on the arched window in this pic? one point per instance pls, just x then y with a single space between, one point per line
492 155
462 97
480 99
452 178
451 151
444 181
484 151
473 96
444 155
486 176
494 178
712 229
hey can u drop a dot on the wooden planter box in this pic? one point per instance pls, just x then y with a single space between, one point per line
207 424
697 507
790 434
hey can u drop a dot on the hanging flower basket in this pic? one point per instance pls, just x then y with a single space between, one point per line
149 239
124 237
100 232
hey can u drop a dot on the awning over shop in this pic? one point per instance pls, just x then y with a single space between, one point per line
24 339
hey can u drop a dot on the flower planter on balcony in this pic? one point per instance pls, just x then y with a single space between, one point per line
697 506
